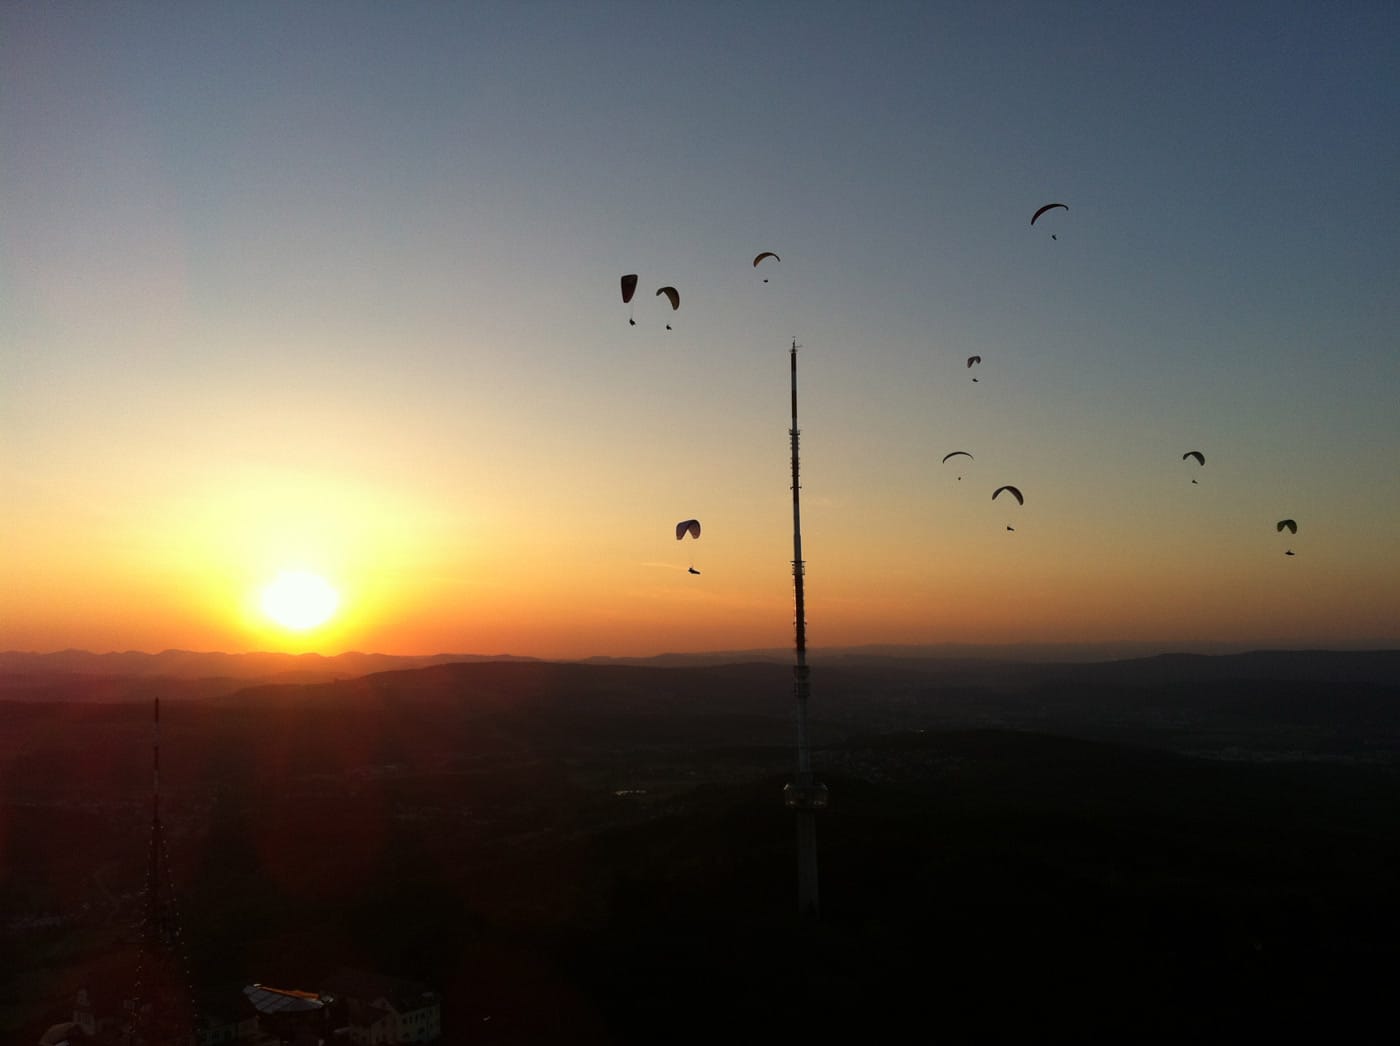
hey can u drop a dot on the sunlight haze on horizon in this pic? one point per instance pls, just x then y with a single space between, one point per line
332 290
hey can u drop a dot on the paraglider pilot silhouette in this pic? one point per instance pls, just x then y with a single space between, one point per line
765 254
1201 458
674 296
1048 207
629 288
691 527
955 454
1015 494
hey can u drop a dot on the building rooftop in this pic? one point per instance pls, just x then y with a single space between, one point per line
283 1000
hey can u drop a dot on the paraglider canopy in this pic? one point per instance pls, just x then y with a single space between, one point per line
1047 207
629 287
1194 454
687 526
1012 491
673 296
765 254
973 359
957 453
1289 524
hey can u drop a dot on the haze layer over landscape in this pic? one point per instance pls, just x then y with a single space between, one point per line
334 289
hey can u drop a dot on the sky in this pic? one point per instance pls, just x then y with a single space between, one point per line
335 288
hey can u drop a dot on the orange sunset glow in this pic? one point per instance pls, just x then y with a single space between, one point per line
394 356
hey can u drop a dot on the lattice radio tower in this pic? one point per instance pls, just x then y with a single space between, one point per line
804 796
162 1011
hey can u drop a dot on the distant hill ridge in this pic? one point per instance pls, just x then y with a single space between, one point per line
269 665
189 664
1282 704
82 675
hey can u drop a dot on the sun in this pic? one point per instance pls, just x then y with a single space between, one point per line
299 599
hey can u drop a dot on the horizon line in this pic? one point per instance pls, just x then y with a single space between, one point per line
1085 649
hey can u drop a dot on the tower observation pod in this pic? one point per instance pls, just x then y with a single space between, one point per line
805 796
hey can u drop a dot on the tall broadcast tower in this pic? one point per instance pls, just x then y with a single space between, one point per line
804 796
162 1010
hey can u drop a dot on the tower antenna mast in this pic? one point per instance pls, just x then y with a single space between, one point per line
162 1011
804 796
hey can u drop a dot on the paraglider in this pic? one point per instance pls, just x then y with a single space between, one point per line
955 454
1291 526
673 296
1015 493
971 360
629 288
1048 207
1198 456
760 257
691 527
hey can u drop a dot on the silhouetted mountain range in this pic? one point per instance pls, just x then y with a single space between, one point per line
79 675
273 666
189 664
1293 703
